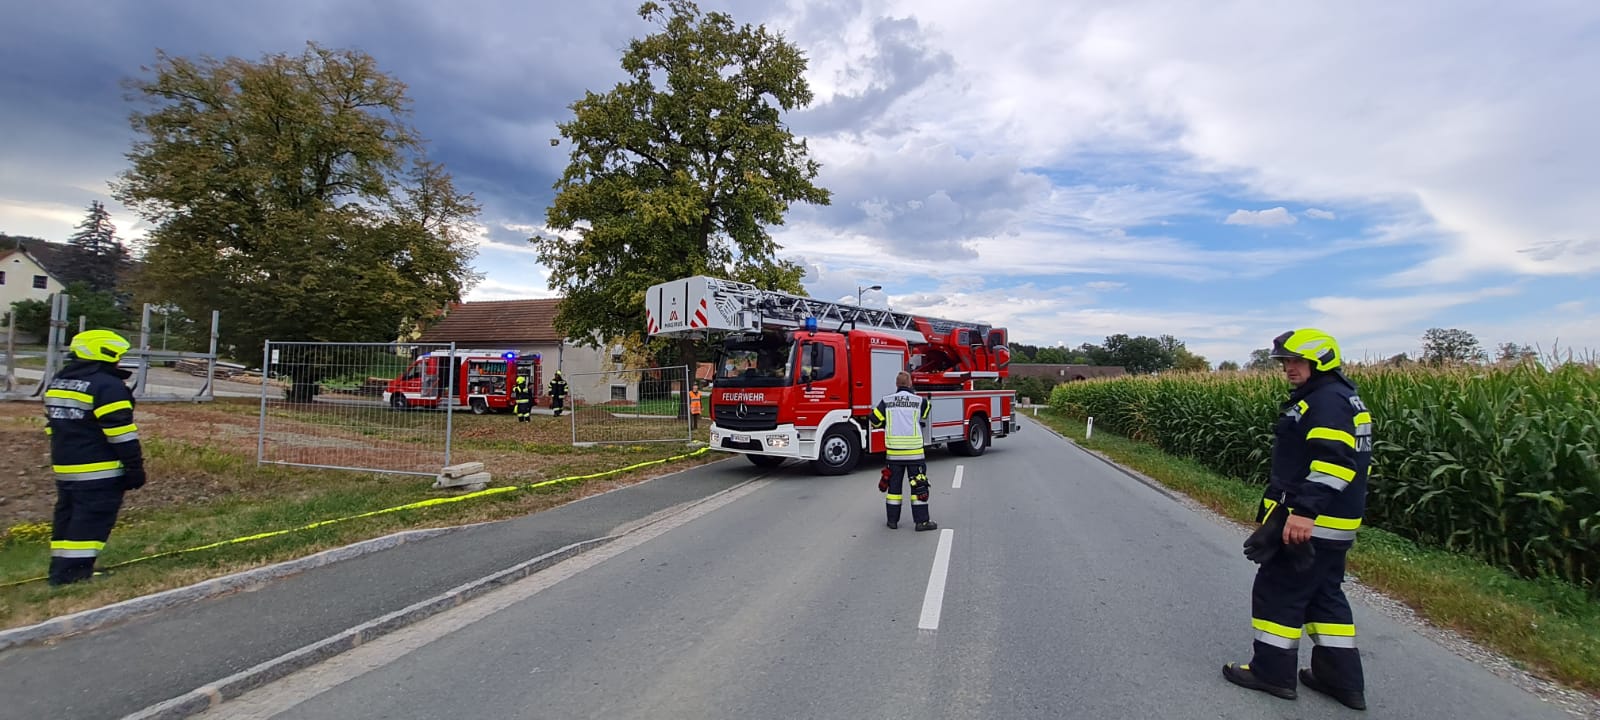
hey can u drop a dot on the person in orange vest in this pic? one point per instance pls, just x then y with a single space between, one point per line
694 407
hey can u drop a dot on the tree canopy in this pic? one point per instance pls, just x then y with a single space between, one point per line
290 194
678 171
98 256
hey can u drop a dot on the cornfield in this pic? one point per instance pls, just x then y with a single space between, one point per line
1498 462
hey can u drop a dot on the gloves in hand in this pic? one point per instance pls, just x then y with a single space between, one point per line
883 481
132 478
1264 543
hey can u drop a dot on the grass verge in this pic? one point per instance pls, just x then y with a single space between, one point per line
270 498
1549 627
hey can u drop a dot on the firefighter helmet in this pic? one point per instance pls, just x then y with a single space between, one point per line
102 345
1309 344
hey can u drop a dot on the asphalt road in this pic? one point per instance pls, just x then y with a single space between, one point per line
1072 591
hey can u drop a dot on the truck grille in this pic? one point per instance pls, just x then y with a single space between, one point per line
756 417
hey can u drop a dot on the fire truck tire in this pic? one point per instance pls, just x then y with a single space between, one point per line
838 453
398 401
977 438
480 406
764 461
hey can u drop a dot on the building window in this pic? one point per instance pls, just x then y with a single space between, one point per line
2 277
619 392
40 282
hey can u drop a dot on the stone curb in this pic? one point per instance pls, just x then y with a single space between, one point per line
100 617
213 694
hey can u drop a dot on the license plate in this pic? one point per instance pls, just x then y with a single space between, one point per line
741 438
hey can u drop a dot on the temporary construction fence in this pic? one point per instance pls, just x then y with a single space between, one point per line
375 407
634 405
196 372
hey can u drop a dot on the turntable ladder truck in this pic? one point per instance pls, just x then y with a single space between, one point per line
798 378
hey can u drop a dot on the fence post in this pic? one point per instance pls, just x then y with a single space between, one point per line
450 405
11 351
211 360
1088 432
261 435
144 352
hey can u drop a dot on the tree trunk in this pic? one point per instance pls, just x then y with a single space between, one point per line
686 353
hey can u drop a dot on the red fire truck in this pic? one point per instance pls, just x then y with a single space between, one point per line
477 379
798 377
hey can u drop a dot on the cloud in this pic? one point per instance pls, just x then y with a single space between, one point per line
1319 214
1363 316
1265 218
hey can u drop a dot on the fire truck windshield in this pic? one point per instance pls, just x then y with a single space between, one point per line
751 361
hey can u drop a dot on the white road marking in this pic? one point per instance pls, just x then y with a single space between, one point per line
278 697
957 484
933 599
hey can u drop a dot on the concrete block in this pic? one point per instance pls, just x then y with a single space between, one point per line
481 479
462 470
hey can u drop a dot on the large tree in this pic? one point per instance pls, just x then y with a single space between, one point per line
678 171
290 194
1451 347
97 256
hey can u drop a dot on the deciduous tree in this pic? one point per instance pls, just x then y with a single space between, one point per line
289 193
678 170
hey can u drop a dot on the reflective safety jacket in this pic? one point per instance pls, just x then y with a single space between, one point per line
558 387
522 392
89 415
902 414
1320 457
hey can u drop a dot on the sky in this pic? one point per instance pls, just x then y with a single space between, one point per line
1219 171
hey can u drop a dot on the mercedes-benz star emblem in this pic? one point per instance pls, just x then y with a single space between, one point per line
742 411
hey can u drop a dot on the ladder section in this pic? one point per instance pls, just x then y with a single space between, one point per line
701 304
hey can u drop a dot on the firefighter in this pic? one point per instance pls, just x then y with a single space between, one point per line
902 413
1321 451
558 392
694 407
94 450
522 395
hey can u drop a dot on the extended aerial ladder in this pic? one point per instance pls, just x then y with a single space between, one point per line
945 351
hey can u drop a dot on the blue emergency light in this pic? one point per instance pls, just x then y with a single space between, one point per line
509 356
811 324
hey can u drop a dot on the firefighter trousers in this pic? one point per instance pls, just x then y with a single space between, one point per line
83 521
1284 601
917 475
524 410
556 401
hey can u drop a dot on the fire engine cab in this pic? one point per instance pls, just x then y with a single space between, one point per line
477 379
798 377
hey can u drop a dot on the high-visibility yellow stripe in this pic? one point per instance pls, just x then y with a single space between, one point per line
77 545
1363 418
69 395
1338 471
109 408
1331 629
1283 631
1338 523
1320 433
88 467
1304 408
121 430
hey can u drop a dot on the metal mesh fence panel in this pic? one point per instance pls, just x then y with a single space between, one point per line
376 407
635 405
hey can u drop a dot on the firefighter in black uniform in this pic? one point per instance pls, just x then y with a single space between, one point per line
902 414
522 395
94 450
558 392
1317 494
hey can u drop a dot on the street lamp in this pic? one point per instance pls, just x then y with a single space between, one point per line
860 290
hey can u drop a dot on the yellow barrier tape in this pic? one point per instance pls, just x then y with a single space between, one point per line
408 506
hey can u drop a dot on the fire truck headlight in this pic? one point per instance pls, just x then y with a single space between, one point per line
778 441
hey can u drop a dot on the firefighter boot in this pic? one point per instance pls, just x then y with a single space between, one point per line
1242 676
1353 699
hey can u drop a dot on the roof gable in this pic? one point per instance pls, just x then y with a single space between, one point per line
31 258
497 322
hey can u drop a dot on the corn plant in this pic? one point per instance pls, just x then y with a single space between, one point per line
1498 462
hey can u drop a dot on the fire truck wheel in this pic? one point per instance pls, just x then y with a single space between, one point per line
480 407
398 401
977 438
764 461
837 455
